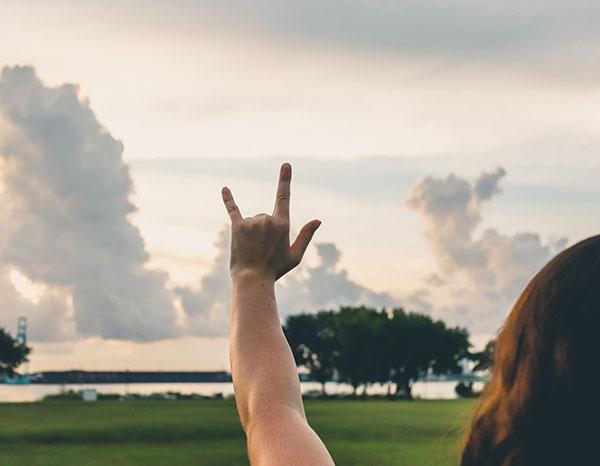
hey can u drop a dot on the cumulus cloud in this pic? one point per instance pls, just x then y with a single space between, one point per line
306 289
452 209
50 313
65 206
325 286
478 277
206 306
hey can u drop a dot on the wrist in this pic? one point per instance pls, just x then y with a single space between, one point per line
247 275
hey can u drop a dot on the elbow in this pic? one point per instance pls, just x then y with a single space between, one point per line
272 417
250 410
258 412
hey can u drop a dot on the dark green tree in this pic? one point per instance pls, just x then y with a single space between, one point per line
12 353
362 346
418 345
314 343
362 355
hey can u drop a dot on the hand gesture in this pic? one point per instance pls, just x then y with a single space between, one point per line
260 245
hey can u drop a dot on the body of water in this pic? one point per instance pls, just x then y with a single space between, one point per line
28 393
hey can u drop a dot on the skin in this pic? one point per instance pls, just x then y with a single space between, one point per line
265 378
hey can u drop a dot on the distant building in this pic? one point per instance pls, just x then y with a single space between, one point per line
89 394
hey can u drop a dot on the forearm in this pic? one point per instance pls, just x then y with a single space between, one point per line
262 365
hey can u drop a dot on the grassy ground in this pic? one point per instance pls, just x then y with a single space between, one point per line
182 433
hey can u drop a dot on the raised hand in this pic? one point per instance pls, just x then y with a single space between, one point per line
261 244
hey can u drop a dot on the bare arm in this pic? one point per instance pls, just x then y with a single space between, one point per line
267 388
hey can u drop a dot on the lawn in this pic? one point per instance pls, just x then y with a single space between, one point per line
182 433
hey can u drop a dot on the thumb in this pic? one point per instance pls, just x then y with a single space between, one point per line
302 241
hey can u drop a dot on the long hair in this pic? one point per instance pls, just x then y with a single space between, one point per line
542 404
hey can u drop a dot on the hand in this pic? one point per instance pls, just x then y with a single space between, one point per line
261 244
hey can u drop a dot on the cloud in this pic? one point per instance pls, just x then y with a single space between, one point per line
391 25
65 207
324 286
305 289
50 315
521 36
478 277
207 305
452 209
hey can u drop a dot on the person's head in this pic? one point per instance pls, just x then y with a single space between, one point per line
542 403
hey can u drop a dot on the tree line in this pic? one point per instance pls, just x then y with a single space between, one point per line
361 346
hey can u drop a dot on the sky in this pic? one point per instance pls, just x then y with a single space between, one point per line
450 150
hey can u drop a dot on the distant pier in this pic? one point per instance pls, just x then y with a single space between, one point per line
76 377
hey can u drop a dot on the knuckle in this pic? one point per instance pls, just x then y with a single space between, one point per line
281 222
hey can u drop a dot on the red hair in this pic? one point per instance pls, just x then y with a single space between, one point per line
542 405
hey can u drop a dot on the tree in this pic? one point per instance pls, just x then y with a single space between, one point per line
362 345
314 344
418 345
361 360
12 353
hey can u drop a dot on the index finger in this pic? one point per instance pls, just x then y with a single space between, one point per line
232 208
282 200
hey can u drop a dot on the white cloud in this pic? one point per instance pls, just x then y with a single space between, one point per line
324 286
65 207
480 276
207 305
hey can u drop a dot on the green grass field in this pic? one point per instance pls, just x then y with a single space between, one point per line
182 433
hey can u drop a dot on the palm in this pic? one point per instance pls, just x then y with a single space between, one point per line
262 243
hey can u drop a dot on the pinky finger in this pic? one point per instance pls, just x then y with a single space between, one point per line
232 208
